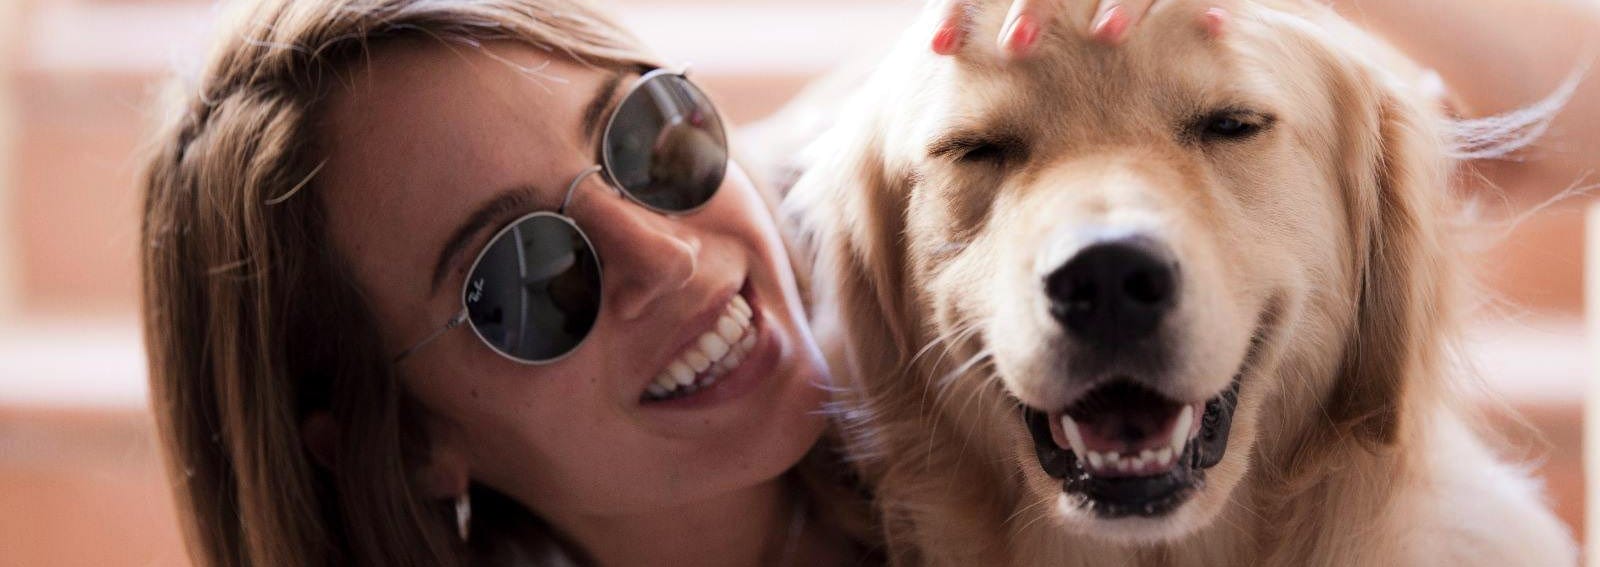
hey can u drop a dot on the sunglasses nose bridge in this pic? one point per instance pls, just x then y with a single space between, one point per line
572 188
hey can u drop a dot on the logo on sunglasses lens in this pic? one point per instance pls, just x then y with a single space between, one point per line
477 291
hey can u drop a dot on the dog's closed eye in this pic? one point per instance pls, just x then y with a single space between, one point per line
979 149
1228 124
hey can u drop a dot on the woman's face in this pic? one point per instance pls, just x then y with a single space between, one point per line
424 138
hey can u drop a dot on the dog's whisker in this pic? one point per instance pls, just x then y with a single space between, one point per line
1026 508
1233 499
945 384
984 388
960 334
1041 513
937 341
950 341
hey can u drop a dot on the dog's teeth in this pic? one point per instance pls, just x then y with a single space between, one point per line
1164 456
1180 433
1147 456
1095 460
1074 438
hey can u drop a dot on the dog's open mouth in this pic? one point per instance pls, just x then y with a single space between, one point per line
1127 450
1124 449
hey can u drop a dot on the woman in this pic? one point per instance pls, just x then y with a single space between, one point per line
378 326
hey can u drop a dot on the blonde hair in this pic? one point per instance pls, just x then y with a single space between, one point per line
251 322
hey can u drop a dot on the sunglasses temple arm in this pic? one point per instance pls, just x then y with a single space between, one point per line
454 322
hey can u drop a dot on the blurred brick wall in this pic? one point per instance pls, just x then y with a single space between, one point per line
85 488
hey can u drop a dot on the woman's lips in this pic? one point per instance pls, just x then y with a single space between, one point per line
715 353
759 359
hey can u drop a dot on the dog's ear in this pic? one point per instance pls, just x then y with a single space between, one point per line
1394 186
850 210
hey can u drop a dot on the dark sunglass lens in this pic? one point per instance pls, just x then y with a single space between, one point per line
666 145
535 292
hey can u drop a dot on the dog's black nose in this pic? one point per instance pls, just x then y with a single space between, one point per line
1114 291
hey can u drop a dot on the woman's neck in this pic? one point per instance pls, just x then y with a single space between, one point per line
745 527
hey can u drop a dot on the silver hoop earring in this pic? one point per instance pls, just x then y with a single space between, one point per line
463 514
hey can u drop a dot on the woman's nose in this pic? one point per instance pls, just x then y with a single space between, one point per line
645 256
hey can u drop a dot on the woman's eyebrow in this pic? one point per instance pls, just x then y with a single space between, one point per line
516 198
502 205
597 106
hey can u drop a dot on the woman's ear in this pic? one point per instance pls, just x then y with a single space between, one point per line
445 475
320 434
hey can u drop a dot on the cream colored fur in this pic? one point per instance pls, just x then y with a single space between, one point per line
1327 234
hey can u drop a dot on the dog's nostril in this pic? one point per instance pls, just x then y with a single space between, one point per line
1083 295
1114 291
1148 286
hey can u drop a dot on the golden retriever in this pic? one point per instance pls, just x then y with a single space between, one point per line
1184 301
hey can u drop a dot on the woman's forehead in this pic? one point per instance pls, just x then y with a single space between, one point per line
423 132
423 119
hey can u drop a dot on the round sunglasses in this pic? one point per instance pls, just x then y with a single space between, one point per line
533 293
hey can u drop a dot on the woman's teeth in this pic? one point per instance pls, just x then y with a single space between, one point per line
714 354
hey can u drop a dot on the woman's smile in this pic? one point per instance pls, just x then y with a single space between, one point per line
725 361
715 342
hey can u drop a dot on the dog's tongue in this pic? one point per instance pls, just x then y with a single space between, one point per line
1121 417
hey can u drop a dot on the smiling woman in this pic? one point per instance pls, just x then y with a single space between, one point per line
351 182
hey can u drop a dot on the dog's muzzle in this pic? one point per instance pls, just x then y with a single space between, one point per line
1121 447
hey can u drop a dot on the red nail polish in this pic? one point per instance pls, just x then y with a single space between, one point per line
1111 26
1215 21
1023 34
944 42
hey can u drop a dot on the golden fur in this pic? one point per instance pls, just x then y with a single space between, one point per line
1324 238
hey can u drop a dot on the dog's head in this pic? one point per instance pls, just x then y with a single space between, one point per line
1167 258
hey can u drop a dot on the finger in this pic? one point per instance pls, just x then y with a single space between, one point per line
1114 19
951 31
1023 25
1215 21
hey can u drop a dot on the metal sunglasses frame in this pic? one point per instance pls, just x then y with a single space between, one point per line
606 170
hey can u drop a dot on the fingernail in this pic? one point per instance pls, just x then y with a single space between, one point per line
1024 32
1111 25
1215 21
944 41
1007 29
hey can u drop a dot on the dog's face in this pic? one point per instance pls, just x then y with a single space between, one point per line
1131 242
